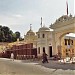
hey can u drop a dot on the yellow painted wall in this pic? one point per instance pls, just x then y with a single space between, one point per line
70 51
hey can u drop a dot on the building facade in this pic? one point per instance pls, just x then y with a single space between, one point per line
62 26
31 37
49 41
68 47
44 41
53 42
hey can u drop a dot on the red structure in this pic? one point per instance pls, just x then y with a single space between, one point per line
25 51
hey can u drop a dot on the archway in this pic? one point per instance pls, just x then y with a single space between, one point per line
67 45
64 25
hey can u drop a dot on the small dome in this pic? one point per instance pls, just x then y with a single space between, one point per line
44 29
30 32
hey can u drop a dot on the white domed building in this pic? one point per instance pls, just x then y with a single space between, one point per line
30 37
44 42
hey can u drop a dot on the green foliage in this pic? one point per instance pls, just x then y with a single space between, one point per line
17 34
6 35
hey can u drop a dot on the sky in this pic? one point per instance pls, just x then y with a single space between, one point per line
19 14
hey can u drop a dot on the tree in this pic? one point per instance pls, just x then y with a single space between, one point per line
7 35
14 37
17 34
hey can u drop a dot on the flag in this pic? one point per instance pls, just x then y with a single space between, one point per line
67 7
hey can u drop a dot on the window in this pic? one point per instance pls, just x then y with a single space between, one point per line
66 50
68 41
65 41
43 49
38 50
43 35
71 42
38 35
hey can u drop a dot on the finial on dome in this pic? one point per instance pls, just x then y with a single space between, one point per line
41 21
30 27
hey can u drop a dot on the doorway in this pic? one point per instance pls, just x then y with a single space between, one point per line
50 51
43 49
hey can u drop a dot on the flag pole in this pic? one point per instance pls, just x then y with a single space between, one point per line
67 7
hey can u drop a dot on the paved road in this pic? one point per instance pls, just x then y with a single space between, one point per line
8 67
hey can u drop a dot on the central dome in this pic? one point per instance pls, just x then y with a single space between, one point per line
30 32
44 29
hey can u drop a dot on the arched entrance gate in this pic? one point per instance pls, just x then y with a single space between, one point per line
62 26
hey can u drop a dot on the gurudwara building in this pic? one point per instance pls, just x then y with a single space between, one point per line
44 41
54 42
62 26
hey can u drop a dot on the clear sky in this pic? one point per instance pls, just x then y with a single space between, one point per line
19 14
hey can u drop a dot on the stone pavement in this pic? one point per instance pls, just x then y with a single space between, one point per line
53 67
57 68
52 64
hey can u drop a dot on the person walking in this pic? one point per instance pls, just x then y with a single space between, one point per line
44 58
12 56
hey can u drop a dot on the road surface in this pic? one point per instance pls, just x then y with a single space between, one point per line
9 67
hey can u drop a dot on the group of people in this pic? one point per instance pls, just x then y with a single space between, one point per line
44 57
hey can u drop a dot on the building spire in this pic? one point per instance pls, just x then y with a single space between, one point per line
30 27
41 21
